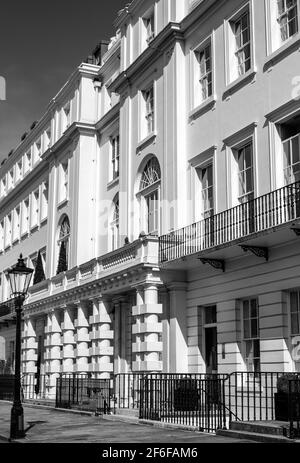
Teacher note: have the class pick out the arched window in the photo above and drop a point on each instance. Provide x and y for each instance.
(114, 225)
(151, 173)
(64, 244)
(150, 196)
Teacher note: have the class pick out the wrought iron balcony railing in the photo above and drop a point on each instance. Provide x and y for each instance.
(7, 308)
(257, 215)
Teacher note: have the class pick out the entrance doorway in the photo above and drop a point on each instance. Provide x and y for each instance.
(211, 359)
(210, 339)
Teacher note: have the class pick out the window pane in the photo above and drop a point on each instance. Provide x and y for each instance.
(247, 329)
(294, 323)
(246, 309)
(254, 330)
(253, 308)
(295, 149)
(294, 301)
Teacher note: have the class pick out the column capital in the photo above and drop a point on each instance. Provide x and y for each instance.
(177, 286)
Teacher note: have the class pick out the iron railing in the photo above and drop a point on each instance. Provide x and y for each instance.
(82, 392)
(294, 407)
(127, 386)
(211, 402)
(7, 308)
(197, 402)
(257, 215)
(7, 387)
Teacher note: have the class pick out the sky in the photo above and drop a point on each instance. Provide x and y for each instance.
(41, 43)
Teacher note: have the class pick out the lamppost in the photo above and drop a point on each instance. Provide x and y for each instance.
(19, 278)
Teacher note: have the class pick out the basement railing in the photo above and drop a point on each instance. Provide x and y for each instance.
(254, 216)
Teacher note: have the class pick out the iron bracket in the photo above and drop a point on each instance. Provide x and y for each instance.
(215, 263)
(258, 251)
(296, 229)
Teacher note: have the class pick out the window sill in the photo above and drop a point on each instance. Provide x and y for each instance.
(24, 235)
(146, 141)
(34, 228)
(239, 83)
(279, 54)
(113, 183)
(15, 241)
(207, 105)
(44, 220)
(62, 203)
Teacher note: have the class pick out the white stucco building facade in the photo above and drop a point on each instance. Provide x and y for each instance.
(171, 148)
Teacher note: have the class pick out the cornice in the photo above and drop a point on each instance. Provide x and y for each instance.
(84, 70)
(29, 179)
(76, 129)
(108, 118)
(160, 44)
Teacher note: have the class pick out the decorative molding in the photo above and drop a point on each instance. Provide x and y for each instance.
(258, 251)
(296, 228)
(215, 263)
(235, 138)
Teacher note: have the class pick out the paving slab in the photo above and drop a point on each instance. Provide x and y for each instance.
(46, 425)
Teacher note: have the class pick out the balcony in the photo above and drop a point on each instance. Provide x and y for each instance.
(7, 311)
(143, 251)
(262, 214)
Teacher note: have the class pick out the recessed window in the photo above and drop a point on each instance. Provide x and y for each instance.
(63, 246)
(3, 186)
(19, 170)
(34, 209)
(290, 134)
(114, 225)
(8, 230)
(115, 157)
(203, 86)
(44, 201)
(207, 191)
(150, 196)
(66, 116)
(25, 217)
(10, 181)
(250, 311)
(287, 18)
(240, 45)
(16, 224)
(1, 235)
(283, 21)
(27, 162)
(148, 27)
(63, 181)
(295, 312)
(245, 172)
(148, 112)
(48, 138)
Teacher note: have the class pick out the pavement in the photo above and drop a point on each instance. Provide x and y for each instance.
(50, 425)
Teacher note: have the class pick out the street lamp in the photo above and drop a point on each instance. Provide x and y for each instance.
(19, 277)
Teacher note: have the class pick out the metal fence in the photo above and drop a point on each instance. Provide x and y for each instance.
(195, 402)
(82, 392)
(6, 387)
(211, 402)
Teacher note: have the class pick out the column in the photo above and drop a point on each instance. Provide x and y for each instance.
(147, 330)
(101, 337)
(178, 328)
(30, 346)
(54, 352)
(117, 336)
(68, 339)
(82, 338)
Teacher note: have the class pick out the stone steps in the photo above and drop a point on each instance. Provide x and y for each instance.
(259, 431)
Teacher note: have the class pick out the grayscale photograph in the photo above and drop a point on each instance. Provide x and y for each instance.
(149, 225)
